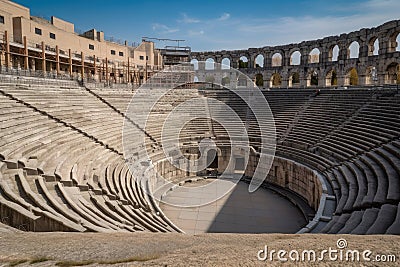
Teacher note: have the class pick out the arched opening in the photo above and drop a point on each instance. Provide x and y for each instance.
(225, 64)
(210, 79)
(370, 75)
(276, 80)
(259, 80)
(353, 50)
(212, 159)
(393, 73)
(243, 62)
(210, 64)
(294, 80)
(225, 81)
(398, 42)
(312, 78)
(351, 77)
(276, 60)
(394, 42)
(333, 53)
(240, 165)
(242, 81)
(195, 79)
(331, 78)
(295, 58)
(314, 56)
(195, 63)
(373, 47)
(260, 61)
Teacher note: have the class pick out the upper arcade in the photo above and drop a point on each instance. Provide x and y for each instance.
(361, 58)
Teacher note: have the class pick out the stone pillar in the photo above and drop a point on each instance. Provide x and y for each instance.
(268, 60)
(384, 42)
(285, 79)
(381, 76)
(43, 58)
(324, 56)
(7, 44)
(33, 64)
(321, 80)
(363, 50)
(303, 79)
(342, 52)
(341, 77)
(94, 67)
(82, 65)
(304, 58)
(26, 62)
(57, 60)
(235, 63)
(250, 63)
(285, 60)
(70, 62)
(129, 72)
(107, 77)
(202, 65)
(265, 61)
(217, 65)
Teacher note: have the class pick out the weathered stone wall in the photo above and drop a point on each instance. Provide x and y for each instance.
(284, 173)
(291, 175)
(385, 62)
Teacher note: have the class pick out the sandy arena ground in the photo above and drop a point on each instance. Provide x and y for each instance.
(146, 249)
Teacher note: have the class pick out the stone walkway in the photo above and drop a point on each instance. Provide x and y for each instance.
(146, 249)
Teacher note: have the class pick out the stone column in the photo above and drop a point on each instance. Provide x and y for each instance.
(70, 62)
(57, 60)
(26, 62)
(265, 61)
(217, 65)
(7, 44)
(82, 65)
(33, 64)
(129, 72)
(341, 77)
(202, 65)
(235, 63)
(363, 50)
(43, 58)
(268, 60)
(94, 68)
(107, 76)
(285, 79)
(321, 79)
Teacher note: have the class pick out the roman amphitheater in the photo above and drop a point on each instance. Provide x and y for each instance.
(123, 154)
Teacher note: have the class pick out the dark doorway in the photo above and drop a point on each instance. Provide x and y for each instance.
(212, 159)
(239, 164)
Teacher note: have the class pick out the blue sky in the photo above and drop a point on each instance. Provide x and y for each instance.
(217, 25)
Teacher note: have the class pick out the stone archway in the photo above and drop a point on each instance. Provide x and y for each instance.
(351, 77)
(276, 80)
(331, 78)
(392, 73)
(294, 79)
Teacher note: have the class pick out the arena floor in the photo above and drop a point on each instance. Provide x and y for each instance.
(239, 211)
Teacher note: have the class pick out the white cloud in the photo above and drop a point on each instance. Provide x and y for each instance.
(258, 32)
(194, 33)
(186, 19)
(381, 4)
(164, 29)
(224, 16)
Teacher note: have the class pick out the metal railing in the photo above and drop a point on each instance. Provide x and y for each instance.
(16, 76)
